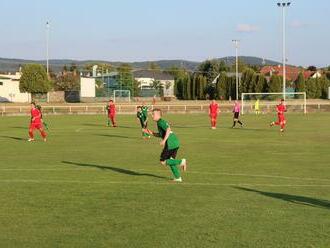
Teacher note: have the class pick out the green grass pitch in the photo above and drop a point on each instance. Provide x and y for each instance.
(93, 186)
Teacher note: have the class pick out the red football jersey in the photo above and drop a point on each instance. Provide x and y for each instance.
(214, 108)
(36, 116)
(281, 109)
(112, 109)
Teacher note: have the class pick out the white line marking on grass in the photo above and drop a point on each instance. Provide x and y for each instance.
(162, 183)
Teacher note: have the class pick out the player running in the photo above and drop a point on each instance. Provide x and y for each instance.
(171, 146)
(142, 116)
(36, 123)
(281, 121)
(237, 111)
(213, 113)
(111, 110)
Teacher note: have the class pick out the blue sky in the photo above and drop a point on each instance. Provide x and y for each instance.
(129, 30)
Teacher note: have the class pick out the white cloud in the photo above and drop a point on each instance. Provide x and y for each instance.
(246, 28)
(298, 24)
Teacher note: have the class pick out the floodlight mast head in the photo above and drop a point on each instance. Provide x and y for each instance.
(283, 5)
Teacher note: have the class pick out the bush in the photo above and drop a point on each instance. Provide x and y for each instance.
(34, 79)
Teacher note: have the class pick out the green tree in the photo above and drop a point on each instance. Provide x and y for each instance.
(125, 76)
(223, 67)
(136, 88)
(300, 85)
(246, 79)
(156, 84)
(275, 84)
(73, 68)
(253, 83)
(211, 69)
(178, 88)
(231, 84)
(313, 88)
(188, 88)
(202, 82)
(153, 66)
(241, 66)
(34, 79)
(312, 68)
(324, 84)
(327, 74)
(193, 87)
(67, 81)
(261, 84)
(211, 91)
(222, 87)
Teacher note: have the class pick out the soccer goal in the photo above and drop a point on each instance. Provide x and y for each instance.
(296, 101)
(122, 96)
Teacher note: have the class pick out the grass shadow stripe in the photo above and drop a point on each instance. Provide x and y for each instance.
(161, 183)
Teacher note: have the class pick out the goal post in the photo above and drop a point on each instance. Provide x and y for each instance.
(122, 96)
(269, 98)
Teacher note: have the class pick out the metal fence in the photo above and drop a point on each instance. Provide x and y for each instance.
(7, 110)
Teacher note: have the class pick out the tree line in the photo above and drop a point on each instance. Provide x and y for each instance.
(201, 85)
(212, 79)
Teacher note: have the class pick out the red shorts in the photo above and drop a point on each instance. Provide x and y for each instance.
(281, 118)
(111, 115)
(35, 126)
(213, 116)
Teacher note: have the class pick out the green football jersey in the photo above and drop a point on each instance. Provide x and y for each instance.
(140, 116)
(145, 111)
(172, 141)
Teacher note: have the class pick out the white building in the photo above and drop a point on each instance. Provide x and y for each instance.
(87, 87)
(9, 89)
(146, 78)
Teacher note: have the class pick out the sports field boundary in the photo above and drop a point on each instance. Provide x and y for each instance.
(92, 109)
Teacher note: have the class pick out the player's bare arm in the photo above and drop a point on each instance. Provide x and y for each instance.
(168, 132)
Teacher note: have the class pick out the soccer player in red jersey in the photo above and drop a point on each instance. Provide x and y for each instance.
(111, 109)
(213, 113)
(36, 123)
(281, 121)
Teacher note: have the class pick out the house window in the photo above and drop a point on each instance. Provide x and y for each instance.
(1, 83)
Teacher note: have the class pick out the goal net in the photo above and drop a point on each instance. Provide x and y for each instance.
(122, 96)
(265, 102)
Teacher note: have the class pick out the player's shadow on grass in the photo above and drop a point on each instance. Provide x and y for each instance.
(115, 169)
(13, 138)
(120, 126)
(102, 125)
(116, 136)
(189, 127)
(297, 199)
(93, 125)
(19, 127)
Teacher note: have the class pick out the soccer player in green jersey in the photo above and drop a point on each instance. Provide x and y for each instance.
(171, 145)
(143, 118)
(144, 110)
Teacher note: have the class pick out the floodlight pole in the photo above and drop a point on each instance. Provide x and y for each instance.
(47, 46)
(284, 5)
(236, 43)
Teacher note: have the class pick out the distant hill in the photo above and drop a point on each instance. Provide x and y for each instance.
(250, 60)
(13, 65)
